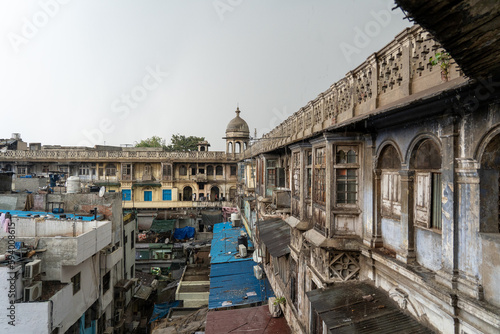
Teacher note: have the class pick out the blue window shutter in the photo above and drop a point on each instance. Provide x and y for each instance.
(148, 196)
(167, 194)
(126, 195)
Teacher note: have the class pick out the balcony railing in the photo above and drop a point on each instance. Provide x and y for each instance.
(399, 70)
(90, 154)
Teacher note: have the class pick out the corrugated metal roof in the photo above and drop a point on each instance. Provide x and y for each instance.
(255, 320)
(275, 234)
(238, 288)
(238, 267)
(344, 310)
(232, 280)
(225, 243)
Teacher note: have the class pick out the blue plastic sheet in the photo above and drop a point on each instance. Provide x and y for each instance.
(184, 233)
(161, 310)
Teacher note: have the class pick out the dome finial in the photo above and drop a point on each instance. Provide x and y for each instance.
(238, 110)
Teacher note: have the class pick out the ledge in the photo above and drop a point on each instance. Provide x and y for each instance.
(300, 225)
(353, 243)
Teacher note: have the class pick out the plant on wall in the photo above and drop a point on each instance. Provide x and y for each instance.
(443, 60)
(280, 300)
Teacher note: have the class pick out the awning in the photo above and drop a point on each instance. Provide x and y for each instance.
(125, 284)
(107, 184)
(275, 234)
(143, 292)
(359, 307)
(146, 184)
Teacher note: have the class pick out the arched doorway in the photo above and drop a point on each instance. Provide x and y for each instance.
(489, 175)
(214, 193)
(425, 162)
(388, 167)
(187, 194)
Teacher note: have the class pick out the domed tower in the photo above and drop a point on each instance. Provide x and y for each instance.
(237, 135)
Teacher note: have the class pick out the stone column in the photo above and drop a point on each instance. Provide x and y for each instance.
(447, 275)
(373, 223)
(469, 258)
(407, 228)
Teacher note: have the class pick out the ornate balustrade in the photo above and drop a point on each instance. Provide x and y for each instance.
(399, 70)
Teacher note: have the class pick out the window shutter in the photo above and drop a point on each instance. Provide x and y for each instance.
(422, 198)
(281, 177)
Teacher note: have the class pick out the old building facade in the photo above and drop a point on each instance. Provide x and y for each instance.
(392, 176)
(148, 178)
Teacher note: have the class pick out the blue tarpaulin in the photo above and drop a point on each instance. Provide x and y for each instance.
(225, 243)
(184, 233)
(237, 287)
(232, 280)
(161, 310)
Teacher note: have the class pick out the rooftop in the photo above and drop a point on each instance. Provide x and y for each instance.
(232, 279)
(255, 320)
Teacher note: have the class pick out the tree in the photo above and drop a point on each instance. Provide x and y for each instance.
(155, 141)
(183, 143)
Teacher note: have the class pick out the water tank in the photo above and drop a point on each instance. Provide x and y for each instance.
(242, 240)
(73, 184)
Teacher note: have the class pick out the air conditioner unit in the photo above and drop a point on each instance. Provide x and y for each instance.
(257, 270)
(243, 250)
(32, 269)
(33, 292)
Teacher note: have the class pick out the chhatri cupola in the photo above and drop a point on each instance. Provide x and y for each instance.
(237, 134)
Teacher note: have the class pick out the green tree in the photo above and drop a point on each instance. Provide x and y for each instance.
(183, 143)
(155, 141)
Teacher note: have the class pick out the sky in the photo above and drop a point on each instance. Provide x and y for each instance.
(93, 72)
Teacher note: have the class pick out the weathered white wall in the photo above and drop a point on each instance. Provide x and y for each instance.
(24, 313)
(428, 248)
(391, 234)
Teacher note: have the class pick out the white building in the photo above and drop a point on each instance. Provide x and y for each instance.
(67, 285)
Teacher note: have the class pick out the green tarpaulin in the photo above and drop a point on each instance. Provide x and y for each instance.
(161, 226)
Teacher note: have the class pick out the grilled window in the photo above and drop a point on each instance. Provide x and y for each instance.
(320, 176)
(346, 174)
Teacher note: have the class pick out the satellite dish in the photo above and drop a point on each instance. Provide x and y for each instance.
(102, 191)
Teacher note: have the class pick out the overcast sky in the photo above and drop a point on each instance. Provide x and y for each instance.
(85, 72)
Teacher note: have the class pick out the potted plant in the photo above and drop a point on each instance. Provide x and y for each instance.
(443, 60)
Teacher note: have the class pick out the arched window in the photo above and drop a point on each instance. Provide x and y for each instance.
(237, 148)
(230, 147)
(390, 183)
(426, 161)
(218, 170)
(182, 170)
(110, 170)
(210, 170)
